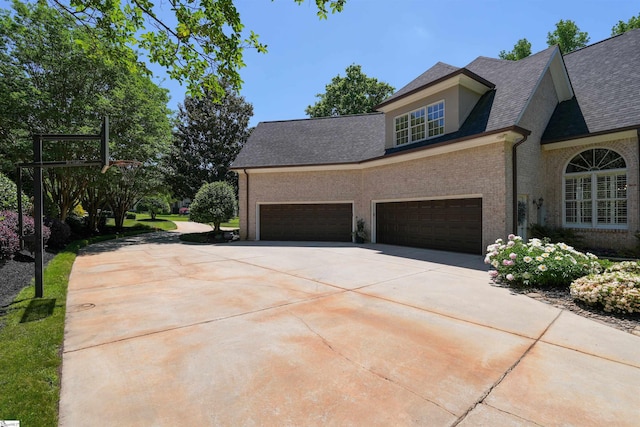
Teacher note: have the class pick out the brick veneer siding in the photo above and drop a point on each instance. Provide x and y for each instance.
(475, 171)
(555, 164)
(530, 161)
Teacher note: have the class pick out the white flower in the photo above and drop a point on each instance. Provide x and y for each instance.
(527, 259)
(542, 267)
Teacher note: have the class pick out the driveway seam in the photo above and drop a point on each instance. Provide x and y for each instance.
(380, 376)
(504, 375)
(513, 415)
(204, 322)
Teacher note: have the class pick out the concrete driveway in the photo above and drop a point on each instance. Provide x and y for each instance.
(162, 333)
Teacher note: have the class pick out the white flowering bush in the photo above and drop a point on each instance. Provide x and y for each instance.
(537, 262)
(616, 290)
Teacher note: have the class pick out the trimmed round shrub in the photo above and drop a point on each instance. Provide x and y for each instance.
(214, 204)
(538, 263)
(615, 291)
(8, 196)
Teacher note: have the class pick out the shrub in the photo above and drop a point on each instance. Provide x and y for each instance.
(615, 291)
(60, 233)
(555, 234)
(9, 242)
(214, 204)
(538, 262)
(9, 237)
(8, 196)
(130, 215)
(154, 205)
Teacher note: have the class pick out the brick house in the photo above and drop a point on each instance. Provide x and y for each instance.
(461, 156)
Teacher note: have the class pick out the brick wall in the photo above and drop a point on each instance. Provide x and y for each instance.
(470, 172)
(555, 164)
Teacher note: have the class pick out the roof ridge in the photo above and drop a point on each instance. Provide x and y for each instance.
(375, 113)
(602, 41)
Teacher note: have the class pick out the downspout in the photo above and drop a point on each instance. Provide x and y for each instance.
(246, 202)
(514, 177)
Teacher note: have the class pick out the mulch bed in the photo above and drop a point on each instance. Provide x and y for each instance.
(17, 274)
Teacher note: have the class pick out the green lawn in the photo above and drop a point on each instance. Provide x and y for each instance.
(143, 221)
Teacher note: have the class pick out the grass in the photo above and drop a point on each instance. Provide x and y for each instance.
(144, 222)
(31, 340)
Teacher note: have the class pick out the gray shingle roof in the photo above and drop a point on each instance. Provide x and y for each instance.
(434, 73)
(606, 81)
(515, 83)
(330, 140)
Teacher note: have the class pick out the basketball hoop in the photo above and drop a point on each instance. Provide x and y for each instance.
(122, 164)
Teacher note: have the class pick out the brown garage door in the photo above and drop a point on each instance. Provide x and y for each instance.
(452, 225)
(306, 222)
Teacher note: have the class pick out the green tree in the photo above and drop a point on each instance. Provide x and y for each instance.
(214, 204)
(622, 27)
(207, 138)
(521, 49)
(568, 36)
(154, 205)
(353, 94)
(200, 42)
(57, 87)
(9, 196)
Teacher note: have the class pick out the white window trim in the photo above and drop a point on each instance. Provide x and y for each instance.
(426, 124)
(594, 200)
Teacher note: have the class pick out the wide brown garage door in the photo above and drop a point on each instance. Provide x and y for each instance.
(452, 225)
(306, 222)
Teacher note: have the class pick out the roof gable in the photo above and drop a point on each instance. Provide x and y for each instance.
(606, 81)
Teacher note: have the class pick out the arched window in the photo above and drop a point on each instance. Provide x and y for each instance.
(595, 190)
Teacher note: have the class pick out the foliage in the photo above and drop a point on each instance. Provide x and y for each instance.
(10, 232)
(623, 27)
(617, 289)
(208, 136)
(537, 262)
(198, 43)
(214, 203)
(9, 196)
(52, 84)
(60, 233)
(361, 233)
(353, 94)
(555, 234)
(521, 49)
(568, 36)
(154, 205)
(9, 241)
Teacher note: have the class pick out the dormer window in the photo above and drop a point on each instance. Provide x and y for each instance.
(420, 124)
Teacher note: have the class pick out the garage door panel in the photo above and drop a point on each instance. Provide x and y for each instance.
(452, 224)
(306, 222)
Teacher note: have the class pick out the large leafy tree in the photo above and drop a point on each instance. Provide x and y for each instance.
(207, 138)
(355, 93)
(623, 27)
(521, 49)
(55, 86)
(568, 36)
(200, 42)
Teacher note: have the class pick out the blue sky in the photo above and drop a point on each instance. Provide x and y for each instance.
(393, 40)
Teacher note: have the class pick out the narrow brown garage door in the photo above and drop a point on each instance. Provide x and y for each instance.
(306, 222)
(452, 225)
